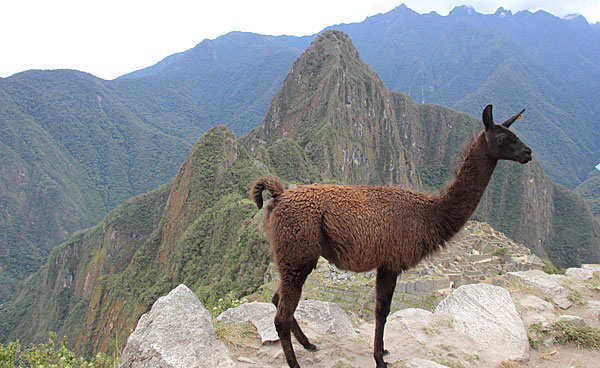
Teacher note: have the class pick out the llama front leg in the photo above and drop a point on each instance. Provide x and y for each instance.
(384, 289)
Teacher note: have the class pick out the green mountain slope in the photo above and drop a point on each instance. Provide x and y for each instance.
(590, 191)
(332, 120)
(57, 296)
(69, 152)
(83, 145)
(196, 229)
(229, 80)
(40, 201)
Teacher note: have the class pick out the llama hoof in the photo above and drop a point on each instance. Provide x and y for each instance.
(386, 352)
(311, 347)
(383, 365)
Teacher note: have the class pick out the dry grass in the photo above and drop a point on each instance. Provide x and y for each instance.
(564, 333)
(241, 338)
(518, 286)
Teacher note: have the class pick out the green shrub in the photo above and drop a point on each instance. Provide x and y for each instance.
(550, 269)
(51, 355)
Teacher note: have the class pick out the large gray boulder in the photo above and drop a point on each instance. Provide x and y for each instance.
(177, 332)
(547, 284)
(324, 318)
(592, 267)
(579, 273)
(535, 303)
(487, 314)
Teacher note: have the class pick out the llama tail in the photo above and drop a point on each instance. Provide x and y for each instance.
(271, 184)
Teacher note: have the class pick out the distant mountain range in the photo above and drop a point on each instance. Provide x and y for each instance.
(332, 120)
(73, 146)
(466, 59)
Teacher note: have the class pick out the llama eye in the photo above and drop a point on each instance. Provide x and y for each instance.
(501, 139)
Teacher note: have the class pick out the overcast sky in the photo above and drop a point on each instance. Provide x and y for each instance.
(109, 38)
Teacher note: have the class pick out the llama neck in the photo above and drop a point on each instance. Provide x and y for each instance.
(458, 202)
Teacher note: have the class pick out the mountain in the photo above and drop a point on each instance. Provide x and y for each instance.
(198, 227)
(229, 81)
(74, 146)
(466, 59)
(590, 191)
(332, 120)
(545, 64)
(69, 151)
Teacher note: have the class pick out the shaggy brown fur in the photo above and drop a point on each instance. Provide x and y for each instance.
(361, 228)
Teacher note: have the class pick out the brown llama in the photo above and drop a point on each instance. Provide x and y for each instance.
(360, 228)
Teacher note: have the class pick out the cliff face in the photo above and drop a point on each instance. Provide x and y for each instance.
(57, 297)
(333, 120)
(205, 238)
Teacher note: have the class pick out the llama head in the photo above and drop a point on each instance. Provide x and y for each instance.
(501, 143)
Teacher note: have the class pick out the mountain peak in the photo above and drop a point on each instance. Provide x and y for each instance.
(576, 18)
(502, 12)
(463, 10)
(332, 104)
(333, 42)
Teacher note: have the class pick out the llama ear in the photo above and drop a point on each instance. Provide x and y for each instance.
(488, 120)
(512, 119)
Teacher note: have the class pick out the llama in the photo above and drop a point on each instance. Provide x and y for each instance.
(360, 228)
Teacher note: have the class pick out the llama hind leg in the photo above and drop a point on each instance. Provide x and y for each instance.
(300, 336)
(384, 289)
(289, 293)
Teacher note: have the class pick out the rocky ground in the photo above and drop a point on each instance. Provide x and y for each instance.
(479, 325)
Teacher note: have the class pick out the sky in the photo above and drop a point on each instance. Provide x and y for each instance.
(110, 38)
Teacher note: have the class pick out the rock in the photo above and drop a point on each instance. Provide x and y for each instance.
(246, 360)
(574, 321)
(594, 307)
(428, 330)
(579, 273)
(325, 318)
(546, 283)
(488, 315)
(531, 319)
(419, 322)
(422, 363)
(409, 314)
(260, 314)
(535, 261)
(592, 267)
(176, 332)
(533, 302)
